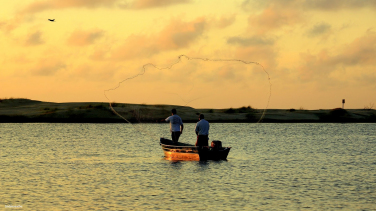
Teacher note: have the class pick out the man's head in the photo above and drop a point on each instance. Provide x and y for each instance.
(173, 111)
(201, 116)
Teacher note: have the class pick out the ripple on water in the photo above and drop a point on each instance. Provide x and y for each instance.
(114, 167)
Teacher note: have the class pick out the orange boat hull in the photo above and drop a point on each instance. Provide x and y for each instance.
(183, 151)
(181, 156)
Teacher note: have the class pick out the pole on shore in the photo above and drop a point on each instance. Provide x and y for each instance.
(343, 103)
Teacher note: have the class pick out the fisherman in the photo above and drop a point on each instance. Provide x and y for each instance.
(176, 126)
(202, 131)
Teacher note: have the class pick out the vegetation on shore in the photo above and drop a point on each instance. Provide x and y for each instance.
(25, 110)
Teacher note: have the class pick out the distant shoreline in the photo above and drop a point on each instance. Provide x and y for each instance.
(31, 111)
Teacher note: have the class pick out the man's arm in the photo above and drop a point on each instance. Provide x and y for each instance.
(181, 129)
(165, 120)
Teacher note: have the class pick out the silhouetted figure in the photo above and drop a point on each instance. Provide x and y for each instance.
(52, 20)
(176, 126)
(202, 131)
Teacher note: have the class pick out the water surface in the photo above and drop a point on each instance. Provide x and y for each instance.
(119, 167)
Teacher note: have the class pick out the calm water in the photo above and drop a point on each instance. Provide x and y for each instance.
(115, 167)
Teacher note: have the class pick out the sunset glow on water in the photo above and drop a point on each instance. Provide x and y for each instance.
(114, 167)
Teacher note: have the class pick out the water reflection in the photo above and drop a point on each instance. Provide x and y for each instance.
(176, 164)
(271, 167)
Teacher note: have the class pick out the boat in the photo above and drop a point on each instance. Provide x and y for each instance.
(183, 151)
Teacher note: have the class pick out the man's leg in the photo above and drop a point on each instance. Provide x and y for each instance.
(202, 140)
(175, 137)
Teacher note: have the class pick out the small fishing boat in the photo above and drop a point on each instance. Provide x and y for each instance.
(183, 151)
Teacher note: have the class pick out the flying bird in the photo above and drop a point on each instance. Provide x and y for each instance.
(52, 20)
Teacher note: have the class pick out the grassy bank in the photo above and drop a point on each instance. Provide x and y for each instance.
(25, 110)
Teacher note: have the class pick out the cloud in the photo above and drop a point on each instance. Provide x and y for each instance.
(314, 66)
(10, 24)
(145, 4)
(81, 38)
(225, 21)
(356, 56)
(180, 34)
(48, 67)
(274, 17)
(133, 47)
(41, 5)
(310, 4)
(338, 4)
(93, 72)
(255, 40)
(263, 54)
(276, 14)
(176, 35)
(319, 29)
(361, 51)
(34, 39)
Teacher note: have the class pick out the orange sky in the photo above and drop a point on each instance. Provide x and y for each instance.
(316, 52)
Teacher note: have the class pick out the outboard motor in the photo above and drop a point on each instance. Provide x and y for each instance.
(216, 144)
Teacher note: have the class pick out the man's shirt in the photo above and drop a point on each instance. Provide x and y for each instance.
(175, 122)
(202, 127)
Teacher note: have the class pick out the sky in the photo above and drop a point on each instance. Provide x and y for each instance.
(302, 54)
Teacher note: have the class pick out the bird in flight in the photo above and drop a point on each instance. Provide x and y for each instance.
(52, 20)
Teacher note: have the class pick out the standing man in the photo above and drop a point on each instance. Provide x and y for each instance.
(202, 131)
(176, 126)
